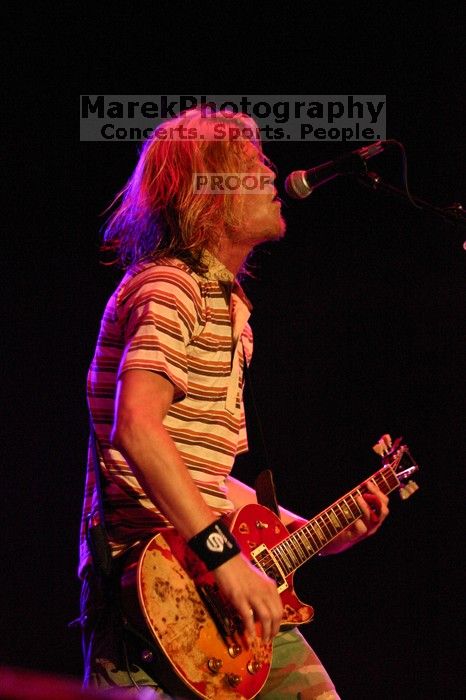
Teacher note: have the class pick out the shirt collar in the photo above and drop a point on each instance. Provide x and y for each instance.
(218, 272)
(215, 269)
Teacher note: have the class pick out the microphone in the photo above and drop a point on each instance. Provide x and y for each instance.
(301, 183)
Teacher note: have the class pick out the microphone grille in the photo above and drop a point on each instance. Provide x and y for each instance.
(296, 185)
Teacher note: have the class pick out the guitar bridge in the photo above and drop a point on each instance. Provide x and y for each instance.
(226, 619)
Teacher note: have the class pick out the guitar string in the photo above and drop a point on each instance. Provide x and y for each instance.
(380, 481)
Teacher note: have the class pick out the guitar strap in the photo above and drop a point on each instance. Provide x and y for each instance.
(105, 568)
(96, 531)
(264, 484)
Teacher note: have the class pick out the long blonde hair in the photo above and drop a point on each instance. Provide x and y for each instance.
(158, 213)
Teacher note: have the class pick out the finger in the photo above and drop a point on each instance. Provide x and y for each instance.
(357, 530)
(270, 611)
(247, 616)
(383, 509)
(375, 507)
(250, 626)
(373, 488)
(365, 510)
(360, 528)
(371, 507)
(263, 614)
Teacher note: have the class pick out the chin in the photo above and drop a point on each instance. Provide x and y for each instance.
(278, 230)
(273, 230)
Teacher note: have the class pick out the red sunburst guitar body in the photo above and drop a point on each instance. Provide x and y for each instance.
(170, 597)
(198, 631)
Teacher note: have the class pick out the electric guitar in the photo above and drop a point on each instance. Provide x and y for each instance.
(196, 630)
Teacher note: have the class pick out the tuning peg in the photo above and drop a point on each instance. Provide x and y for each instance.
(383, 446)
(408, 489)
(387, 440)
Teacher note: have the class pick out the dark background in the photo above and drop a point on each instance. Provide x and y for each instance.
(358, 313)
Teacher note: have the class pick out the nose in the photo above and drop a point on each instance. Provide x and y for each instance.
(266, 170)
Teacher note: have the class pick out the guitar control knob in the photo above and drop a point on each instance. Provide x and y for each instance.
(254, 666)
(214, 665)
(233, 679)
(234, 650)
(260, 525)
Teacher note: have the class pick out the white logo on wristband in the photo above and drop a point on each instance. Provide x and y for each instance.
(216, 541)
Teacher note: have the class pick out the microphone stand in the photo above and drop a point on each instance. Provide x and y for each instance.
(455, 213)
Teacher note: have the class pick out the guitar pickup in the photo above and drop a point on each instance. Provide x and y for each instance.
(268, 564)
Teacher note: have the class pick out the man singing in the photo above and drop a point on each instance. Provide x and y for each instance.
(165, 390)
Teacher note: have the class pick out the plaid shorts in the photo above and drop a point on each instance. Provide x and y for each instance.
(296, 670)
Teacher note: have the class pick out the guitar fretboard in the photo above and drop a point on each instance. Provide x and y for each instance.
(318, 532)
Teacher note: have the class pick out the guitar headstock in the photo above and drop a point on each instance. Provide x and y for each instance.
(398, 457)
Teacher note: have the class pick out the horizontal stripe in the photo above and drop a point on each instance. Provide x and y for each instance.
(169, 320)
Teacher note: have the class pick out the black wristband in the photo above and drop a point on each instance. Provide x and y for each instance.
(214, 545)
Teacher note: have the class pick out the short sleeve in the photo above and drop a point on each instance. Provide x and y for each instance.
(160, 317)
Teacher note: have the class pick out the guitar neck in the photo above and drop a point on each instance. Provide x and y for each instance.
(304, 543)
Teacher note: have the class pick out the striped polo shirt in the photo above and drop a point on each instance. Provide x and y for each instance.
(194, 330)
